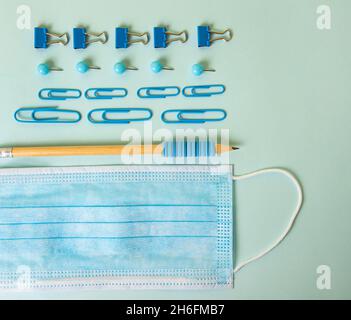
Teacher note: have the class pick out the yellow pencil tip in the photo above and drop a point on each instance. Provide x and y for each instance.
(235, 148)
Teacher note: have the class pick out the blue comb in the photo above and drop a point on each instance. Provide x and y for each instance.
(188, 149)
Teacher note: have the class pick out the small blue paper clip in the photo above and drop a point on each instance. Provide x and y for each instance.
(123, 38)
(34, 118)
(161, 37)
(42, 38)
(205, 36)
(100, 93)
(57, 94)
(105, 112)
(181, 116)
(197, 91)
(81, 38)
(164, 92)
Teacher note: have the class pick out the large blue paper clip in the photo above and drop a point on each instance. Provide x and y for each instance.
(203, 91)
(81, 39)
(161, 37)
(105, 115)
(123, 38)
(35, 118)
(182, 116)
(42, 38)
(205, 36)
(158, 92)
(105, 93)
(59, 94)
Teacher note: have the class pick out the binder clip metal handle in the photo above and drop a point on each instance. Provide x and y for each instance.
(162, 40)
(205, 38)
(123, 36)
(43, 38)
(81, 38)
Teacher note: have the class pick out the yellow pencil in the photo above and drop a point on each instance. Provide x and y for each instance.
(167, 149)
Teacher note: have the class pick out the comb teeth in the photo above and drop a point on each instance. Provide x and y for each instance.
(189, 149)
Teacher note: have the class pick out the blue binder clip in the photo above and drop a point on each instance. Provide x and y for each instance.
(42, 38)
(161, 37)
(203, 90)
(205, 36)
(34, 118)
(100, 93)
(181, 116)
(81, 38)
(158, 92)
(105, 115)
(123, 36)
(59, 94)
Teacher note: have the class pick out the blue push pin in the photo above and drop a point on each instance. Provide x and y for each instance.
(158, 66)
(120, 68)
(44, 69)
(198, 69)
(84, 67)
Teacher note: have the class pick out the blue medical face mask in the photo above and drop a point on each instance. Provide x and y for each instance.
(118, 227)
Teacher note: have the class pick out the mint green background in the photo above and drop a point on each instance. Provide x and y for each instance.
(288, 98)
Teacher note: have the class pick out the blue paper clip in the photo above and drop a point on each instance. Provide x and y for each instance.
(147, 92)
(105, 112)
(34, 118)
(161, 37)
(205, 36)
(181, 116)
(57, 94)
(123, 38)
(196, 91)
(100, 93)
(42, 38)
(81, 38)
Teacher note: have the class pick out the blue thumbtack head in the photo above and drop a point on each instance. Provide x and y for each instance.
(158, 66)
(81, 38)
(205, 36)
(161, 37)
(123, 36)
(42, 38)
(44, 69)
(121, 67)
(198, 69)
(84, 67)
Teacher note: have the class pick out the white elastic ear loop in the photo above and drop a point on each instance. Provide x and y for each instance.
(293, 217)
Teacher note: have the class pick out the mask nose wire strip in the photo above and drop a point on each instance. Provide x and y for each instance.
(293, 216)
